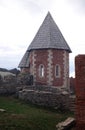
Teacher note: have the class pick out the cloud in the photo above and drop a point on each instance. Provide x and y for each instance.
(36, 7)
(78, 5)
(1, 2)
(30, 5)
(10, 55)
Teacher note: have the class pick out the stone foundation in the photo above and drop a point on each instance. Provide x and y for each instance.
(46, 96)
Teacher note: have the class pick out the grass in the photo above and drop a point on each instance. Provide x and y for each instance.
(22, 116)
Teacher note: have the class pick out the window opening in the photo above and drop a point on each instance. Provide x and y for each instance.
(41, 71)
(57, 71)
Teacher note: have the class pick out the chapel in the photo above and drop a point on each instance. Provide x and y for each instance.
(47, 57)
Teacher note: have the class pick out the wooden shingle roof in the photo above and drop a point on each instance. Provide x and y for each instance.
(49, 36)
(25, 60)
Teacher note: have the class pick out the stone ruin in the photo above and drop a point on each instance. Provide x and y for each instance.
(43, 95)
(22, 86)
(8, 84)
(80, 92)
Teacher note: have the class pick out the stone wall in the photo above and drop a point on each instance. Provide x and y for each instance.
(48, 96)
(72, 85)
(45, 96)
(8, 85)
(80, 91)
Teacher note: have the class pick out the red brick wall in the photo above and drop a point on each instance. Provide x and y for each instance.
(58, 59)
(53, 57)
(41, 57)
(80, 91)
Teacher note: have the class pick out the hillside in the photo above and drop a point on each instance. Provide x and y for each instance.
(4, 71)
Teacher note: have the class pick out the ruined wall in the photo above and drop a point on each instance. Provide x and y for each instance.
(72, 85)
(45, 96)
(80, 91)
(8, 85)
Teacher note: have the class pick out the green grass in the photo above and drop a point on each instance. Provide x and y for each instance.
(22, 116)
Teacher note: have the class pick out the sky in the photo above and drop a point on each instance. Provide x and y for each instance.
(21, 19)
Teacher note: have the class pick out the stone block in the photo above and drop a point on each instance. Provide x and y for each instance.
(67, 124)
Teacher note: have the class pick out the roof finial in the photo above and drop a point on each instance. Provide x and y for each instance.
(48, 13)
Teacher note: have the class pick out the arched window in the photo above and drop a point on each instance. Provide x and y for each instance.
(57, 71)
(41, 70)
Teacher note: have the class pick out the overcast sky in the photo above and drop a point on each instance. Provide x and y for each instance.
(21, 19)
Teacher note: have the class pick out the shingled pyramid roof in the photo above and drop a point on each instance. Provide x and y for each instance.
(49, 36)
(25, 60)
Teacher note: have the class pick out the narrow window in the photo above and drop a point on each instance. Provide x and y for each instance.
(41, 70)
(57, 71)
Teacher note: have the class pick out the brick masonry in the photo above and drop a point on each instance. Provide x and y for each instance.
(49, 58)
(66, 69)
(33, 67)
(80, 91)
(50, 67)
